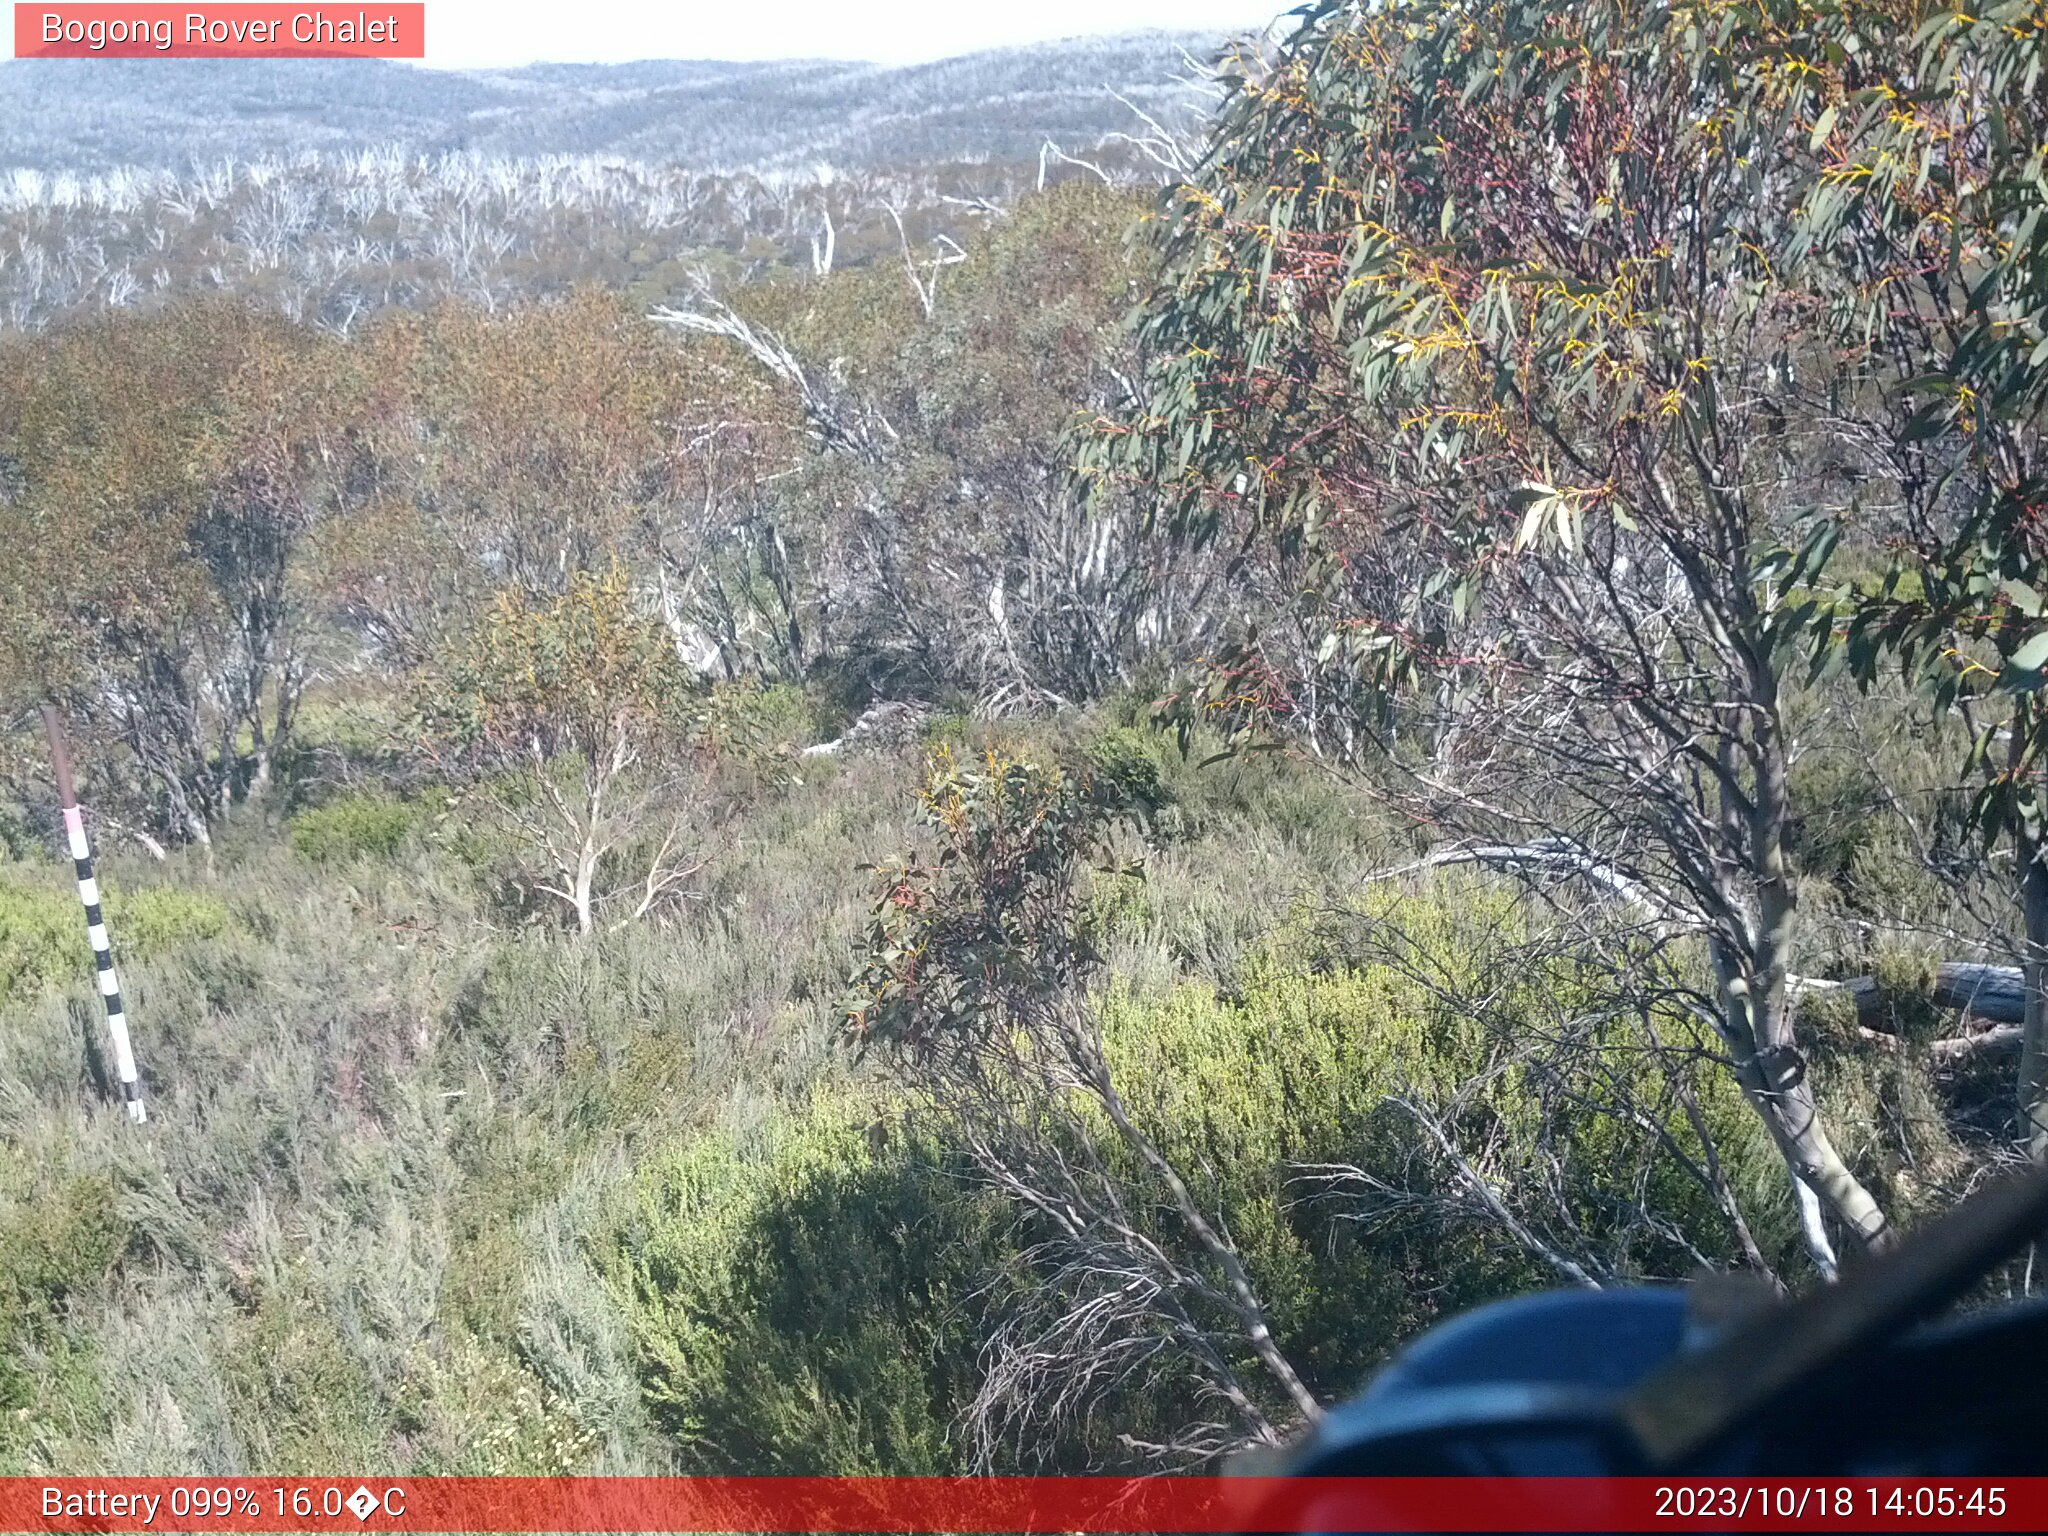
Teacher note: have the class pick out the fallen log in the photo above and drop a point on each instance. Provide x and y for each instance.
(1999, 1040)
(1952, 1050)
(1995, 993)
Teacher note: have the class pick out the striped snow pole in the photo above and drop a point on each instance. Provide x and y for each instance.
(95, 922)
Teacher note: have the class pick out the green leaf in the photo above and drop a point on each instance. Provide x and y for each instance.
(2032, 656)
(2023, 597)
(1821, 129)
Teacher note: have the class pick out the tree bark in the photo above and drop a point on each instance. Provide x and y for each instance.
(2033, 1073)
(1773, 1077)
(582, 888)
(1757, 1000)
(1813, 1228)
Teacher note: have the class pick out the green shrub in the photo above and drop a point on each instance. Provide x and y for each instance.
(1298, 1071)
(18, 837)
(1327, 1094)
(1116, 904)
(756, 730)
(159, 919)
(363, 723)
(782, 713)
(947, 728)
(56, 1242)
(353, 827)
(809, 1307)
(43, 941)
(1123, 770)
(295, 1380)
(477, 1413)
(819, 1303)
(1905, 985)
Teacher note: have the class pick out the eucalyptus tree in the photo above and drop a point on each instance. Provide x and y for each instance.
(568, 714)
(169, 473)
(1924, 221)
(946, 546)
(1470, 341)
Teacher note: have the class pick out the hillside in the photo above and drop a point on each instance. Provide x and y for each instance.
(61, 114)
(782, 790)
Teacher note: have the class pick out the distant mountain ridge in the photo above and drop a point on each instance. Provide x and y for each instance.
(85, 115)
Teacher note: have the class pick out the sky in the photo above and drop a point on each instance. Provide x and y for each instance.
(475, 34)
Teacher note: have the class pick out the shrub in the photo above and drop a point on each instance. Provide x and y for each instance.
(42, 931)
(1261, 1094)
(757, 727)
(571, 710)
(18, 838)
(1123, 767)
(310, 1401)
(353, 827)
(809, 1307)
(1212, 1162)
(948, 728)
(41, 939)
(477, 1413)
(55, 1243)
(819, 1301)
(158, 919)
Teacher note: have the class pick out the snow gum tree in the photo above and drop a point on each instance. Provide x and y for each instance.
(1475, 331)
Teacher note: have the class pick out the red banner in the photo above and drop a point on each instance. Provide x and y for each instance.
(377, 31)
(1181, 1505)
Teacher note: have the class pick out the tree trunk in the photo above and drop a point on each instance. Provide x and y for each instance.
(2033, 1075)
(1775, 1082)
(1757, 1024)
(1758, 1014)
(586, 878)
(1813, 1227)
(1772, 1074)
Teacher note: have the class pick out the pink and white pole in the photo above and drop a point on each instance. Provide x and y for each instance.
(95, 922)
